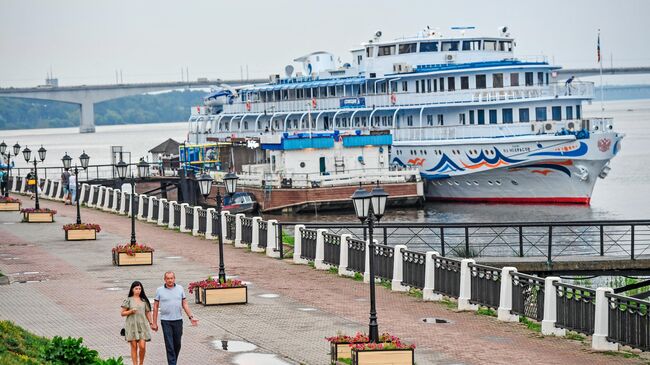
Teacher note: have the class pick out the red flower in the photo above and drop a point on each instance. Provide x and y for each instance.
(34, 210)
(211, 283)
(75, 226)
(131, 250)
(8, 199)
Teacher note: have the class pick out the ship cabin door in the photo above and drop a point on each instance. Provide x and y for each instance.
(323, 169)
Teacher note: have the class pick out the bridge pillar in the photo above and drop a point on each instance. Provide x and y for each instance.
(87, 117)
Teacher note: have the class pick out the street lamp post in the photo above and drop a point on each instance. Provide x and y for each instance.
(143, 172)
(3, 152)
(27, 153)
(205, 184)
(368, 207)
(67, 161)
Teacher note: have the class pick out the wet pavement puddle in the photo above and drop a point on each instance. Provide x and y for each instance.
(269, 296)
(233, 346)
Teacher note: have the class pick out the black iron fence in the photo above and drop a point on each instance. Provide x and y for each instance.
(629, 323)
(308, 244)
(486, 285)
(165, 217)
(177, 215)
(413, 268)
(155, 209)
(383, 261)
(356, 255)
(332, 249)
(528, 296)
(136, 203)
(127, 203)
(110, 199)
(230, 227)
(247, 230)
(95, 195)
(86, 194)
(145, 206)
(576, 308)
(189, 218)
(216, 224)
(203, 219)
(447, 276)
(263, 227)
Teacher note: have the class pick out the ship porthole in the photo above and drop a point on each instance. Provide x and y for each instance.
(498, 182)
(490, 182)
(475, 182)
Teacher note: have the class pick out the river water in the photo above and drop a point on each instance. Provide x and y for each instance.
(624, 194)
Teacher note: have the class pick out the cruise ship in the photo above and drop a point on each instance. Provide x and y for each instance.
(480, 124)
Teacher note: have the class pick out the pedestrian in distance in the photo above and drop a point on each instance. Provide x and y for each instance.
(3, 182)
(137, 310)
(73, 189)
(170, 299)
(65, 183)
(567, 85)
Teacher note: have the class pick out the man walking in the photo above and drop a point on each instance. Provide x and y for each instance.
(171, 298)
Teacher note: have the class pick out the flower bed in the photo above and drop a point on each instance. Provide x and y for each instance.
(33, 215)
(9, 204)
(131, 255)
(342, 346)
(213, 292)
(79, 232)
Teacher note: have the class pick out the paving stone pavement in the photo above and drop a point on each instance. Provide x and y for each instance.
(72, 289)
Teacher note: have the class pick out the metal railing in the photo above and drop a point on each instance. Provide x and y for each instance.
(177, 216)
(383, 261)
(576, 307)
(629, 322)
(308, 244)
(203, 217)
(189, 218)
(155, 208)
(332, 249)
(247, 230)
(486, 285)
(356, 255)
(165, 217)
(413, 268)
(230, 227)
(145, 206)
(263, 227)
(447, 277)
(528, 296)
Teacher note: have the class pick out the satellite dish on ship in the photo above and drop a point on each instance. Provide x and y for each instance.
(288, 70)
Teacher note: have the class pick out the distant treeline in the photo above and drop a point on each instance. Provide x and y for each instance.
(158, 108)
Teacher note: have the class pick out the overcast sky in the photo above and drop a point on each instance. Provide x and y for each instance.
(85, 42)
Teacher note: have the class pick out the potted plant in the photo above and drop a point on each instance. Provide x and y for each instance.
(213, 292)
(80, 232)
(395, 352)
(9, 204)
(132, 254)
(33, 215)
(341, 345)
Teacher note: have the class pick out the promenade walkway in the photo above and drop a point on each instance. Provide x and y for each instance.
(72, 289)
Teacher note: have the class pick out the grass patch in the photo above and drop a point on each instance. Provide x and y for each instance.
(345, 361)
(289, 240)
(450, 304)
(531, 325)
(386, 284)
(332, 270)
(485, 311)
(357, 276)
(311, 264)
(574, 336)
(415, 292)
(624, 354)
(18, 346)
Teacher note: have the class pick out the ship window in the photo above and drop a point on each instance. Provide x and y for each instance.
(480, 81)
(451, 84)
(332, 91)
(428, 85)
(461, 118)
(506, 115)
(540, 78)
(524, 115)
(405, 86)
(497, 80)
(409, 121)
(359, 58)
(556, 113)
(493, 116)
(464, 82)
(529, 79)
(429, 119)
(474, 45)
(417, 86)
(540, 113)
(450, 46)
(429, 47)
(422, 86)
(435, 85)
(442, 84)
(441, 120)
(505, 46)
(407, 48)
(569, 112)
(471, 117)
(578, 112)
(481, 116)
(386, 50)
(490, 45)
(369, 52)
(514, 79)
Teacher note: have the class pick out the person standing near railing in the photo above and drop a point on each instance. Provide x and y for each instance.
(65, 183)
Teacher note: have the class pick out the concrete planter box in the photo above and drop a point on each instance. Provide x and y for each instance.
(80, 234)
(220, 296)
(140, 258)
(38, 217)
(375, 357)
(9, 207)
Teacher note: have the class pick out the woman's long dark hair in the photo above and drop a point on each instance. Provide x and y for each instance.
(143, 296)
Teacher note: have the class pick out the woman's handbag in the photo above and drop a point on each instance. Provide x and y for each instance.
(122, 332)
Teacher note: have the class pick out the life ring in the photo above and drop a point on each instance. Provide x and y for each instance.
(248, 105)
(313, 103)
(393, 98)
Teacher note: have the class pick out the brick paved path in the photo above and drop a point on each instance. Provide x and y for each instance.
(81, 294)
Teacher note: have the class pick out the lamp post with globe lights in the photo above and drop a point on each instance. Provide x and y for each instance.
(205, 184)
(370, 206)
(67, 161)
(27, 154)
(143, 172)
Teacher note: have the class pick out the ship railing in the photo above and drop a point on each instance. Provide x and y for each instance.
(395, 99)
(311, 180)
(462, 131)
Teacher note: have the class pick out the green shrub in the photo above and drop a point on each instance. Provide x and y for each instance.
(110, 361)
(69, 351)
(18, 346)
(485, 311)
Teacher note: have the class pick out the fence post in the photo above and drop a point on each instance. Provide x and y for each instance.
(272, 243)
(442, 241)
(430, 277)
(343, 258)
(521, 241)
(632, 242)
(170, 224)
(100, 194)
(224, 226)
(238, 230)
(150, 210)
(122, 202)
(549, 259)
(208, 223)
(109, 193)
(466, 286)
(161, 211)
(255, 240)
(141, 199)
(550, 308)
(297, 245)
(398, 267)
(184, 207)
(117, 194)
(320, 251)
(505, 299)
(601, 323)
(195, 222)
(366, 271)
(82, 192)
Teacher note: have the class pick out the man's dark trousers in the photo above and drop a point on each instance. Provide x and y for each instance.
(172, 331)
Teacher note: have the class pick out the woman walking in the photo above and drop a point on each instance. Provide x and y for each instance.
(137, 310)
